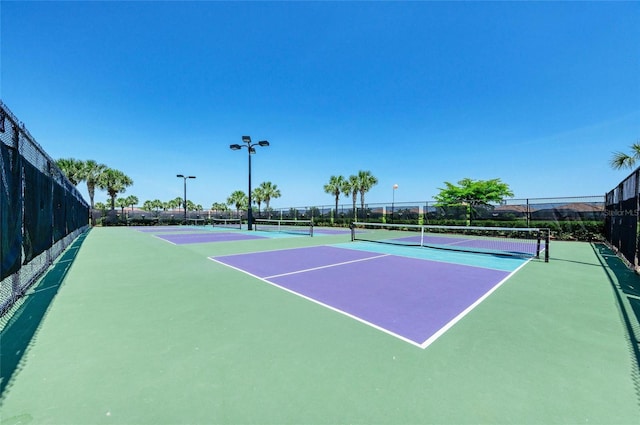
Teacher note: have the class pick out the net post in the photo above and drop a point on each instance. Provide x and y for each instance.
(353, 232)
(311, 229)
(538, 243)
(547, 240)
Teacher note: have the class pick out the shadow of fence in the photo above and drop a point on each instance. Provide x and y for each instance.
(626, 288)
(19, 327)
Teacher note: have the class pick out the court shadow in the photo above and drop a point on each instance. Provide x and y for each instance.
(626, 288)
(20, 329)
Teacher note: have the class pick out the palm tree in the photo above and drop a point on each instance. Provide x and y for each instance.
(258, 197)
(114, 182)
(352, 187)
(131, 201)
(172, 204)
(239, 199)
(179, 202)
(269, 191)
(122, 203)
(71, 168)
(90, 173)
(366, 181)
(623, 160)
(334, 187)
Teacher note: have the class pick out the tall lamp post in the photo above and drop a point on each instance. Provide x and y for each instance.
(393, 200)
(184, 201)
(251, 149)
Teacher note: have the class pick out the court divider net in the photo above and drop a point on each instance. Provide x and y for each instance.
(298, 227)
(508, 241)
(227, 223)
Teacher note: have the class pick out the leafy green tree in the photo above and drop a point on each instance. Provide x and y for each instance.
(622, 160)
(114, 182)
(365, 182)
(238, 199)
(269, 191)
(470, 193)
(334, 187)
(71, 168)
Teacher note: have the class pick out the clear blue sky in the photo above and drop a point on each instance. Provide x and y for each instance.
(538, 94)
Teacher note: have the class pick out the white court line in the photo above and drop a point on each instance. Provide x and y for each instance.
(467, 310)
(330, 307)
(422, 345)
(327, 266)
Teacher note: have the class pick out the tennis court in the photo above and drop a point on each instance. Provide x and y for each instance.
(410, 298)
(127, 328)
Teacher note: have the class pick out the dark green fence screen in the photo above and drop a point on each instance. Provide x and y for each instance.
(41, 212)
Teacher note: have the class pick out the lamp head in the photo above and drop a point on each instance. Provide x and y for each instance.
(263, 143)
(180, 175)
(235, 147)
(246, 139)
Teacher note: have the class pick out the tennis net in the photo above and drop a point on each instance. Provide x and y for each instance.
(227, 223)
(518, 242)
(299, 227)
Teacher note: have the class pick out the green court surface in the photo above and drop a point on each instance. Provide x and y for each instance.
(129, 329)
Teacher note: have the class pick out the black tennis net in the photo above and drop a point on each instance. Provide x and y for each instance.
(227, 223)
(518, 242)
(299, 227)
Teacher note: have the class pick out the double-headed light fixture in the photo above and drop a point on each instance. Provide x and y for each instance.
(251, 149)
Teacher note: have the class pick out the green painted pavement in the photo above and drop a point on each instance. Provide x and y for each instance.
(144, 332)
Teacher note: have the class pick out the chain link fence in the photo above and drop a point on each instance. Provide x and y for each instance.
(568, 218)
(41, 212)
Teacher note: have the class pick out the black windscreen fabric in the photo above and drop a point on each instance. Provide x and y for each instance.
(10, 211)
(59, 213)
(627, 229)
(38, 217)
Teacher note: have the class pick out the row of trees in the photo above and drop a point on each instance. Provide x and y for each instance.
(355, 184)
(262, 194)
(466, 192)
(96, 176)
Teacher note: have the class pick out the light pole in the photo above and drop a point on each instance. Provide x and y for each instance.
(393, 200)
(184, 201)
(250, 148)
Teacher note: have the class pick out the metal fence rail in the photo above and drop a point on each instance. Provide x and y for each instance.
(41, 212)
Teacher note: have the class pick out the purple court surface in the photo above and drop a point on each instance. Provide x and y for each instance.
(413, 299)
(189, 238)
(153, 229)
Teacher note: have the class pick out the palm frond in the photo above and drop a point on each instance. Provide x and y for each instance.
(622, 160)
